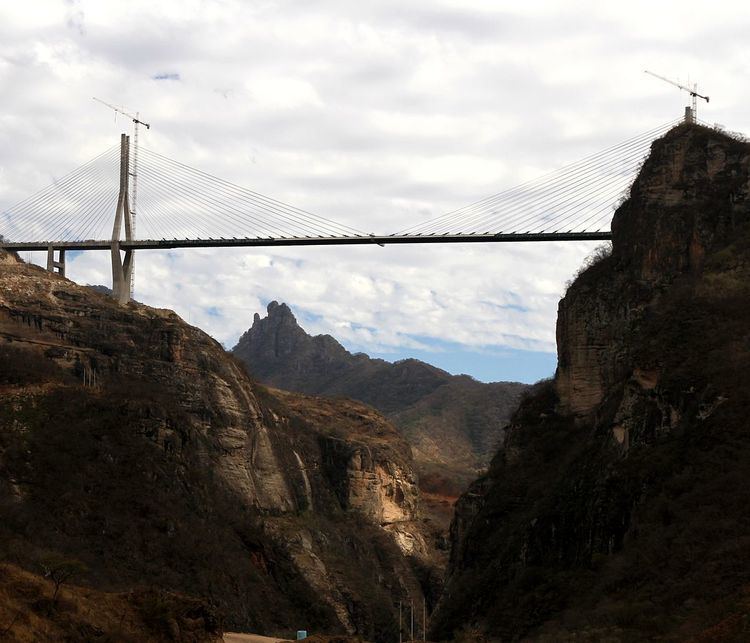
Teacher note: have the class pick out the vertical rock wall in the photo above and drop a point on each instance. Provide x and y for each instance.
(617, 509)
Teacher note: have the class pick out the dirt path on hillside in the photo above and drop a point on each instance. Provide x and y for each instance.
(230, 637)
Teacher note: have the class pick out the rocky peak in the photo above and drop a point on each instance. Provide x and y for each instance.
(278, 337)
(448, 420)
(280, 353)
(691, 194)
(277, 333)
(278, 315)
(274, 308)
(689, 200)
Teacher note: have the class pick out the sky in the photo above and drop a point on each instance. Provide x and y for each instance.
(378, 115)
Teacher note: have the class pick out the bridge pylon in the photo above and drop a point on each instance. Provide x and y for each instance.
(56, 265)
(122, 267)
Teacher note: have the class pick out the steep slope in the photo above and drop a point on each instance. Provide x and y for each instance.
(453, 423)
(132, 442)
(29, 613)
(619, 507)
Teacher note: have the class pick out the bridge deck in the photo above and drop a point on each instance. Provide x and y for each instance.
(162, 244)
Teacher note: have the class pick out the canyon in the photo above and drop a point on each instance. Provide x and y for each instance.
(193, 498)
(453, 423)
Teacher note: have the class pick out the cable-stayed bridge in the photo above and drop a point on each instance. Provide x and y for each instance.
(146, 201)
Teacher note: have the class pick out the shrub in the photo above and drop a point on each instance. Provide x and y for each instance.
(595, 258)
(60, 570)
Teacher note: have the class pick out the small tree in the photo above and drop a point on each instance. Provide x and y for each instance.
(60, 570)
(597, 255)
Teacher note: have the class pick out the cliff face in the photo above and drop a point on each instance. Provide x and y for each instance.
(618, 507)
(688, 202)
(453, 423)
(133, 442)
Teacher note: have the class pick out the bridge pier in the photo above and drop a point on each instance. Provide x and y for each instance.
(122, 273)
(58, 265)
(122, 268)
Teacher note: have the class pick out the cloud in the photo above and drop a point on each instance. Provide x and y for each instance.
(167, 75)
(373, 299)
(75, 17)
(376, 114)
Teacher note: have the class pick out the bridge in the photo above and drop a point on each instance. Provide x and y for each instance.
(177, 206)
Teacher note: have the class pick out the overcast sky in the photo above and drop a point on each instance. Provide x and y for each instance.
(376, 114)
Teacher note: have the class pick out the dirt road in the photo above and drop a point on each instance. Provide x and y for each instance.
(230, 637)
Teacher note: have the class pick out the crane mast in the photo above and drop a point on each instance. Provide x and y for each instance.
(134, 174)
(691, 113)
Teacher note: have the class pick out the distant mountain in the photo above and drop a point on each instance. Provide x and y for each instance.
(453, 422)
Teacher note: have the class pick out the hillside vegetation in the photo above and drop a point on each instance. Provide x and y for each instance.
(32, 610)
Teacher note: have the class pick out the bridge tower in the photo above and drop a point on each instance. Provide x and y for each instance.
(122, 267)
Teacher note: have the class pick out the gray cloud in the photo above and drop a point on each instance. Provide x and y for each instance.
(75, 17)
(376, 114)
(166, 75)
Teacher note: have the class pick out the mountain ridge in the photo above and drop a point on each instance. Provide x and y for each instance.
(440, 414)
(132, 442)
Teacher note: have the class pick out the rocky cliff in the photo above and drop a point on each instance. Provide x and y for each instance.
(132, 442)
(453, 423)
(619, 506)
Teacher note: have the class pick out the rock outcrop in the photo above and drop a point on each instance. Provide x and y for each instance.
(131, 441)
(453, 423)
(618, 508)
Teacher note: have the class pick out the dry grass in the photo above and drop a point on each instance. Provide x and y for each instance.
(29, 615)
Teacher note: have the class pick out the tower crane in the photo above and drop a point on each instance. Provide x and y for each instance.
(693, 113)
(134, 192)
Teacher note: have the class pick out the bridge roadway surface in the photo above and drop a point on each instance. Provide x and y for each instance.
(381, 240)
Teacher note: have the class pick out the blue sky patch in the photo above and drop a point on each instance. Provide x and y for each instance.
(485, 363)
